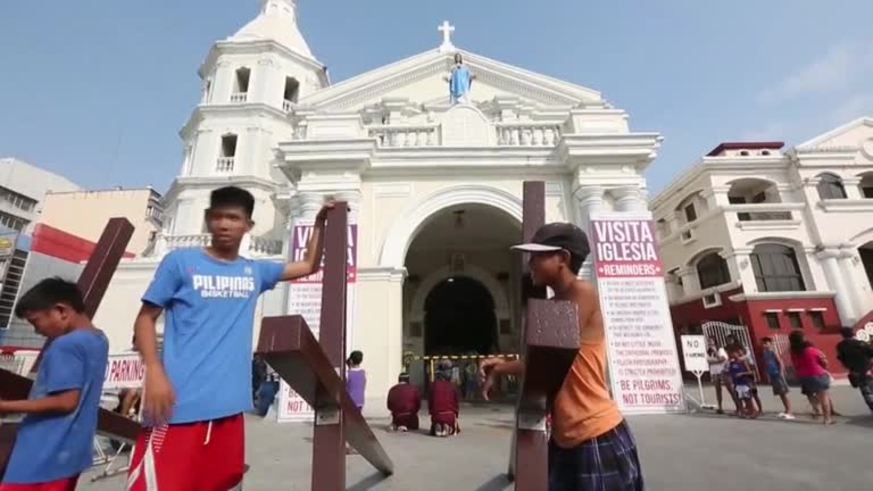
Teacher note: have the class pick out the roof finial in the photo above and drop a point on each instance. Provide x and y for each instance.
(447, 30)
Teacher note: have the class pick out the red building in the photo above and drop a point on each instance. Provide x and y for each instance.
(773, 240)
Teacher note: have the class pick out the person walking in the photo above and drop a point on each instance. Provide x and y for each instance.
(810, 364)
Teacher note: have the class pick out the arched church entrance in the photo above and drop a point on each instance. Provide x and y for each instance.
(461, 275)
(459, 318)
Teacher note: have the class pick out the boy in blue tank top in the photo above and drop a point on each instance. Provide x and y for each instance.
(775, 369)
(56, 438)
(196, 393)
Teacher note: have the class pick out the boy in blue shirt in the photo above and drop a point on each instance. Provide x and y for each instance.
(775, 369)
(56, 438)
(196, 394)
(743, 379)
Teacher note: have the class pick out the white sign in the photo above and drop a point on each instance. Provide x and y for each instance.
(292, 407)
(124, 371)
(643, 360)
(20, 361)
(694, 353)
(305, 300)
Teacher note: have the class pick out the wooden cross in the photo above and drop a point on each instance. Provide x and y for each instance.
(551, 341)
(93, 283)
(316, 369)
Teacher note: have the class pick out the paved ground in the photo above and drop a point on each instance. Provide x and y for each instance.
(699, 451)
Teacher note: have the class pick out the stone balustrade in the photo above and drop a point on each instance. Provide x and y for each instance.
(528, 134)
(389, 136)
(254, 246)
(224, 164)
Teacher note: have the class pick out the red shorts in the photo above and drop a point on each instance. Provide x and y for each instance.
(68, 484)
(201, 456)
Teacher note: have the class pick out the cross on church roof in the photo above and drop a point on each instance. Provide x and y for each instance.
(447, 30)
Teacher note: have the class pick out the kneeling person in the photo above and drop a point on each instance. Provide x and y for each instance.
(404, 402)
(56, 439)
(443, 405)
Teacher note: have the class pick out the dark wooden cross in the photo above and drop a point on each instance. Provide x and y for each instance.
(316, 369)
(550, 343)
(93, 283)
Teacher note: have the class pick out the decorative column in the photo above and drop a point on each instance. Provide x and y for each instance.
(846, 264)
(852, 187)
(828, 259)
(690, 281)
(353, 198)
(716, 196)
(630, 199)
(308, 205)
(262, 86)
(590, 202)
(740, 267)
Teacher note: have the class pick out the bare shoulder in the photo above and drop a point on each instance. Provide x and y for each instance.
(586, 293)
(586, 287)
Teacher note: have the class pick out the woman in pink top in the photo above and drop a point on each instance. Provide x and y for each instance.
(810, 365)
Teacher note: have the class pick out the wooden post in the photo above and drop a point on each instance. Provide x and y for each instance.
(93, 283)
(329, 452)
(551, 341)
(316, 369)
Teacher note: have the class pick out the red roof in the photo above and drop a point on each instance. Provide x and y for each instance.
(744, 146)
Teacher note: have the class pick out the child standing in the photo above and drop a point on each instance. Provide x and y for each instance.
(743, 378)
(197, 391)
(591, 447)
(776, 373)
(356, 379)
(56, 438)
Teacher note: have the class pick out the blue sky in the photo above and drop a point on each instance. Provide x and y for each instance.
(97, 89)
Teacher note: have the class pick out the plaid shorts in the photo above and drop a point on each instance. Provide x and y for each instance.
(606, 463)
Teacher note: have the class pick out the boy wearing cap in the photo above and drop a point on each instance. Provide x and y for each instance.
(591, 447)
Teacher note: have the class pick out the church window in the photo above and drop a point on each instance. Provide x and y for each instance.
(207, 91)
(292, 89)
(712, 270)
(228, 153)
(690, 213)
(241, 85)
(830, 187)
(866, 185)
(776, 268)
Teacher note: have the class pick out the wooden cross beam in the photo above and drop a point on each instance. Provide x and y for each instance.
(551, 341)
(93, 283)
(316, 369)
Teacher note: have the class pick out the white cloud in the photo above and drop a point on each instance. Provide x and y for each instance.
(853, 107)
(774, 130)
(834, 71)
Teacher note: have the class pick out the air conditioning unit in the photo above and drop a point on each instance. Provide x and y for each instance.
(712, 300)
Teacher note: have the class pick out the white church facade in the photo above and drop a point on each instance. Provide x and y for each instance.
(434, 185)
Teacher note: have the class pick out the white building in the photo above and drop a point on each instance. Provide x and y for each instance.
(85, 213)
(435, 188)
(775, 240)
(22, 189)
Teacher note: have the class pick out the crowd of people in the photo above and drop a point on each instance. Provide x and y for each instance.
(199, 384)
(732, 367)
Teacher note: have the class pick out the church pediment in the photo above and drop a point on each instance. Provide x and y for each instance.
(421, 80)
(856, 135)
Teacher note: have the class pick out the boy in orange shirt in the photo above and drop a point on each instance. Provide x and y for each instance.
(592, 447)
